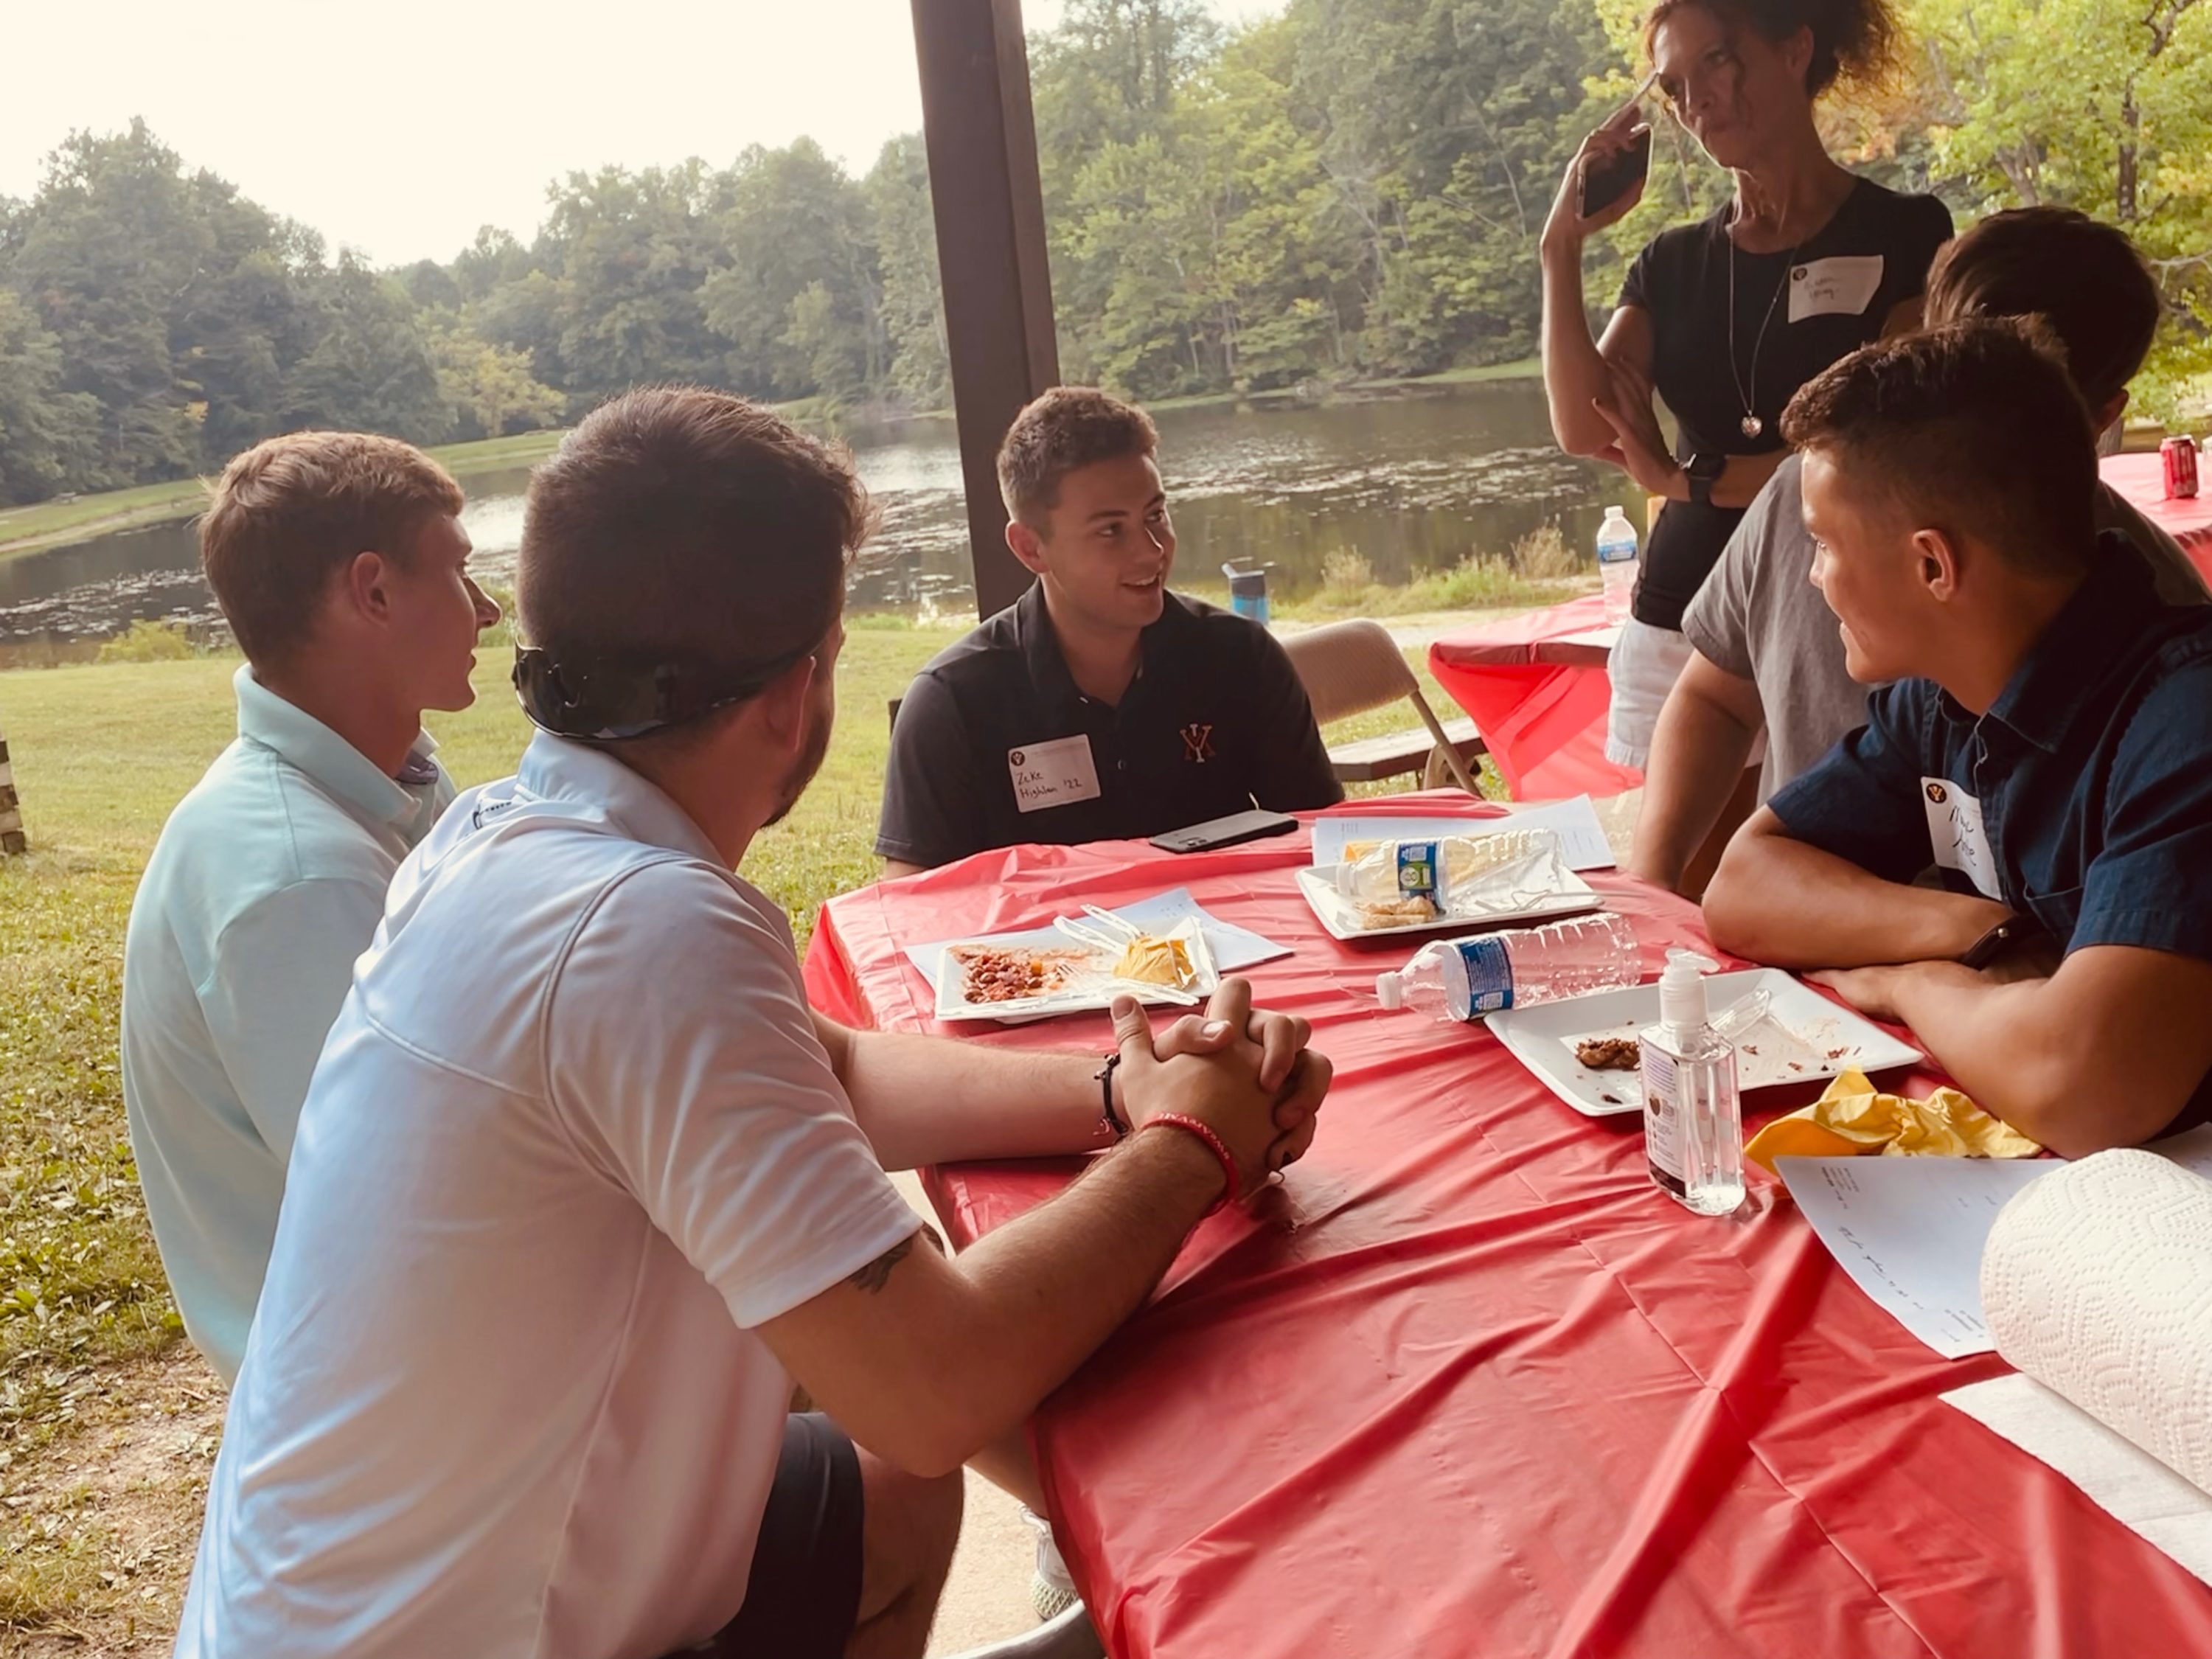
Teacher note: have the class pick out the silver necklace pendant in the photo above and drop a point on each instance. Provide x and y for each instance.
(1751, 426)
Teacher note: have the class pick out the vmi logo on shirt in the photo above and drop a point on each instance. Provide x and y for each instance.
(1198, 743)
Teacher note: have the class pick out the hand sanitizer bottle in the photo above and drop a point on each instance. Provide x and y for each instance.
(1692, 1116)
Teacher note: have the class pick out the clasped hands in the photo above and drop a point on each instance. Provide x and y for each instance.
(1246, 1075)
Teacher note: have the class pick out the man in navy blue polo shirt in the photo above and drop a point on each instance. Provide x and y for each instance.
(1100, 706)
(2047, 747)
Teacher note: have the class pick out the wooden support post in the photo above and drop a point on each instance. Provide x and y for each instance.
(981, 139)
(11, 816)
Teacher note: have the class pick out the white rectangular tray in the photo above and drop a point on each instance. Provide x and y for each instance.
(1318, 884)
(1805, 1038)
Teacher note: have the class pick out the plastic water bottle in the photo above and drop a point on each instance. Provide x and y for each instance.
(1464, 978)
(1692, 1114)
(1616, 563)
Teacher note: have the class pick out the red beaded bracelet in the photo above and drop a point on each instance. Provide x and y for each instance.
(1214, 1143)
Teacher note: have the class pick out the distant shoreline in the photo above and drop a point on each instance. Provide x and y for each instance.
(45, 526)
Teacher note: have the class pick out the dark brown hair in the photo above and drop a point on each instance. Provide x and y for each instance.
(1974, 427)
(2084, 279)
(677, 527)
(1853, 40)
(1070, 427)
(291, 510)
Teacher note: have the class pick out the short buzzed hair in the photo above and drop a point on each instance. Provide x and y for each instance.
(2084, 279)
(687, 529)
(1069, 428)
(1974, 427)
(288, 513)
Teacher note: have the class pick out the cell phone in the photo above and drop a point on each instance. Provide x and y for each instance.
(1606, 182)
(1225, 832)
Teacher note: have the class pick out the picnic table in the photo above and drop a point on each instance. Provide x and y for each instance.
(1466, 1383)
(1536, 683)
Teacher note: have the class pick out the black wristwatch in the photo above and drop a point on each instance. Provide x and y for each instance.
(1703, 471)
(2009, 934)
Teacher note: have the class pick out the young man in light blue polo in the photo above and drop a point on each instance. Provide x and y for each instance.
(340, 562)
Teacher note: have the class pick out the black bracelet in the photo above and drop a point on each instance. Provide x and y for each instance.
(1114, 1119)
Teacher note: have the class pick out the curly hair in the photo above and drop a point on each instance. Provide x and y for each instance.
(1853, 40)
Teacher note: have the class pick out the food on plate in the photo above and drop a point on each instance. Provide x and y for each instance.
(990, 974)
(1151, 960)
(1407, 912)
(1465, 857)
(1610, 1053)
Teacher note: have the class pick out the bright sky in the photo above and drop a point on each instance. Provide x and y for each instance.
(398, 127)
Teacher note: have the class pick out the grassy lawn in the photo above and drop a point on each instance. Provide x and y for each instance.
(102, 753)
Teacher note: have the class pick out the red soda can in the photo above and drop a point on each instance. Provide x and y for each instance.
(2179, 456)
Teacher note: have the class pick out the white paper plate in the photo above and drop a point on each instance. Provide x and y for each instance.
(1342, 918)
(1805, 1038)
(1095, 993)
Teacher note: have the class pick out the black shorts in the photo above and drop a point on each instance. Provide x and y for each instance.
(803, 1598)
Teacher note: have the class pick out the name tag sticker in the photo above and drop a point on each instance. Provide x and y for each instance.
(1954, 830)
(1838, 287)
(1055, 773)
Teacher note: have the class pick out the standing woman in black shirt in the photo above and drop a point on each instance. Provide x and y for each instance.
(1725, 318)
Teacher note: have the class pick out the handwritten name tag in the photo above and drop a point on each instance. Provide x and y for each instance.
(1839, 286)
(1955, 831)
(1055, 773)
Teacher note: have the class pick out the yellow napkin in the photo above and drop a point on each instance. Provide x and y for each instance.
(1851, 1118)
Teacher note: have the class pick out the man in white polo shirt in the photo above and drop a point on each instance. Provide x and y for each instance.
(340, 562)
(581, 1186)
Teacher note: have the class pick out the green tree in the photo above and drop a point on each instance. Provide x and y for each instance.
(2095, 106)
(48, 437)
(107, 242)
(794, 220)
(630, 256)
(912, 301)
(488, 390)
(371, 367)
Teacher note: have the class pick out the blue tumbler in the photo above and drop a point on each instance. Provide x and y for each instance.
(1248, 592)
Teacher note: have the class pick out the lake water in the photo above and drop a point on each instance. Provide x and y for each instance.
(1412, 482)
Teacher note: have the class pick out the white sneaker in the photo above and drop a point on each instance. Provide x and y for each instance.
(1052, 1591)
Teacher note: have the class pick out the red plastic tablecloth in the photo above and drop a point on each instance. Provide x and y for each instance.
(1545, 721)
(1469, 1385)
(2142, 479)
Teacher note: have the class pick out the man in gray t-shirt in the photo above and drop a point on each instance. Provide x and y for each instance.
(1766, 655)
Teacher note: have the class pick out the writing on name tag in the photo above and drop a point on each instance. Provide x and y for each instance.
(1955, 832)
(1055, 773)
(1839, 287)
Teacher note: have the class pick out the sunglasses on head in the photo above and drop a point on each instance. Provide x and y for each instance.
(609, 702)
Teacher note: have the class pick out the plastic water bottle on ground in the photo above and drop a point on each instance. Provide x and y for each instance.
(1616, 563)
(1464, 978)
(1692, 1113)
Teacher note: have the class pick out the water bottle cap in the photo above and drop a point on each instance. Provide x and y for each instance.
(1390, 989)
(1616, 512)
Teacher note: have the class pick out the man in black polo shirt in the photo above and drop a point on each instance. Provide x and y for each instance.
(1100, 706)
(2053, 759)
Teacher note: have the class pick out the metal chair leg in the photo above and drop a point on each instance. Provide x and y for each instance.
(1068, 1637)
